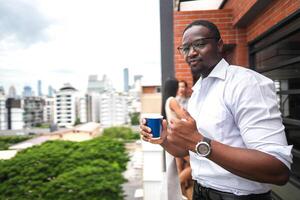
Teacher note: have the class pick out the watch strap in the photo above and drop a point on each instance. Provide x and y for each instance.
(207, 140)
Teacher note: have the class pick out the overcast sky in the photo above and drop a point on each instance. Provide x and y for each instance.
(60, 41)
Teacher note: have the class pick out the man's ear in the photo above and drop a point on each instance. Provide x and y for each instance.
(220, 45)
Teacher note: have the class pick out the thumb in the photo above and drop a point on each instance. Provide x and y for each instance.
(186, 115)
(164, 125)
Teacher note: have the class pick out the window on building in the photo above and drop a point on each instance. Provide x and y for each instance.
(277, 56)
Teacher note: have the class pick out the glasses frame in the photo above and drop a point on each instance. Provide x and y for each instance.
(180, 48)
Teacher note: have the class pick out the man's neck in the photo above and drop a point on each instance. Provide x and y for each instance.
(207, 72)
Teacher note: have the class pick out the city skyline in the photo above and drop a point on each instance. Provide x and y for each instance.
(63, 46)
(45, 88)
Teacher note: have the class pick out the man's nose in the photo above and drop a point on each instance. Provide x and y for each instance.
(191, 51)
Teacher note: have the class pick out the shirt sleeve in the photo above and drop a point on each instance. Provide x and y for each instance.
(256, 113)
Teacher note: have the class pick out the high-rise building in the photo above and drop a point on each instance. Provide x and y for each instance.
(93, 107)
(27, 91)
(113, 109)
(2, 91)
(51, 91)
(40, 93)
(65, 106)
(98, 86)
(137, 77)
(3, 113)
(33, 111)
(49, 110)
(126, 79)
(12, 93)
(15, 113)
(82, 109)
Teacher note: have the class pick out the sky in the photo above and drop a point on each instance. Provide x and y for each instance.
(65, 41)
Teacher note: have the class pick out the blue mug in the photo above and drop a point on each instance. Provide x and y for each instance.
(154, 122)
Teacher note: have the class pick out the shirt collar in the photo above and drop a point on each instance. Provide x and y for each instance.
(219, 71)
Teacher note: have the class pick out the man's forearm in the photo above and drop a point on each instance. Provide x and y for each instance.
(249, 163)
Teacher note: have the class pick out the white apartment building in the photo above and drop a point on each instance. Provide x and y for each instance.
(82, 109)
(15, 112)
(65, 106)
(93, 107)
(113, 109)
(17, 121)
(3, 113)
(49, 110)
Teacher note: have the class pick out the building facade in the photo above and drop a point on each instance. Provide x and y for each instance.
(49, 110)
(3, 113)
(33, 111)
(65, 106)
(15, 114)
(113, 109)
(82, 109)
(126, 79)
(27, 91)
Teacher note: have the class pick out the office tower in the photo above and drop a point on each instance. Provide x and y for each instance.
(27, 91)
(137, 77)
(40, 88)
(126, 79)
(12, 93)
(98, 86)
(50, 91)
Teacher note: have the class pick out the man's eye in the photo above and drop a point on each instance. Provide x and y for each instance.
(199, 44)
(185, 49)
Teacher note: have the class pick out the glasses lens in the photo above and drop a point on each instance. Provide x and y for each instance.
(183, 49)
(199, 44)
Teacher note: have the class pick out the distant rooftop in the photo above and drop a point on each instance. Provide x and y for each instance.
(67, 87)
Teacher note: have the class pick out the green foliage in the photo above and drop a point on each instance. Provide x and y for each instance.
(66, 170)
(6, 141)
(135, 118)
(44, 125)
(120, 132)
(77, 121)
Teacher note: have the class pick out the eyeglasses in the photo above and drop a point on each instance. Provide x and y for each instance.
(197, 45)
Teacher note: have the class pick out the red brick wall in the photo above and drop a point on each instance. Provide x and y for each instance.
(271, 15)
(149, 89)
(239, 8)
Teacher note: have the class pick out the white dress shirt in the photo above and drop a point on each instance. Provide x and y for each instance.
(237, 107)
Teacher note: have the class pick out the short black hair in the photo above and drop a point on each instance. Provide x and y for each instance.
(170, 90)
(211, 26)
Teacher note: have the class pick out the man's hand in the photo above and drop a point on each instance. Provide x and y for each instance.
(146, 135)
(184, 132)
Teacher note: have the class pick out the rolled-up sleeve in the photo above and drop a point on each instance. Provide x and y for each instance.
(256, 113)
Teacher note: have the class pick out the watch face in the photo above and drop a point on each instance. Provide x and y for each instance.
(203, 148)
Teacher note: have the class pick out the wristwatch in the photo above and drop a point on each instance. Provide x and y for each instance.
(203, 147)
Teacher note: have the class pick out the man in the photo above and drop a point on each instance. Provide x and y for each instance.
(233, 131)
